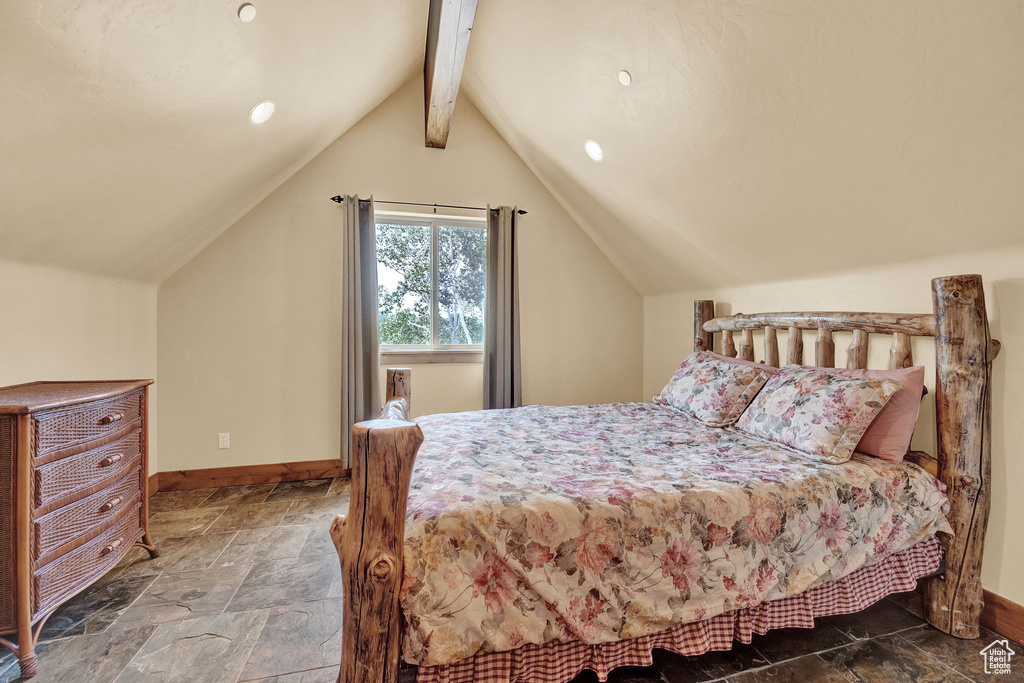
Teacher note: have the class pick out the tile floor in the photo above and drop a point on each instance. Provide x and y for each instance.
(248, 589)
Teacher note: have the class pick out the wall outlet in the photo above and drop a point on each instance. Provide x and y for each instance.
(224, 440)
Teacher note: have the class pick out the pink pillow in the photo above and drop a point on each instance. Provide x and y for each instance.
(770, 369)
(889, 435)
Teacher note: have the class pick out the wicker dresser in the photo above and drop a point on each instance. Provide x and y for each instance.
(73, 496)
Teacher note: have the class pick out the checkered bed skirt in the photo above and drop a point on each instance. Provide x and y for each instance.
(559, 662)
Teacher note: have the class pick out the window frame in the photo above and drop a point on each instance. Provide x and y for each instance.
(432, 352)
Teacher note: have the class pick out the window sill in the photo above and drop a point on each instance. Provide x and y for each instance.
(426, 357)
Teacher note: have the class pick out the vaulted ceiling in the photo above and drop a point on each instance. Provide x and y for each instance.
(764, 140)
(757, 140)
(125, 134)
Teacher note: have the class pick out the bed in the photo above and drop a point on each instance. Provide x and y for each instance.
(530, 543)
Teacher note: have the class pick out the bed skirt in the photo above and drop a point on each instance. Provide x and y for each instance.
(558, 662)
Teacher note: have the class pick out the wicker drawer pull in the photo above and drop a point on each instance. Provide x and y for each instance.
(111, 547)
(110, 505)
(110, 460)
(110, 419)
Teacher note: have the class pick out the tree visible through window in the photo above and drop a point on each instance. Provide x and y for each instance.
(431, 278)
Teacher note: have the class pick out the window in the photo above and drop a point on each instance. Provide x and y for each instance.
(431, 278)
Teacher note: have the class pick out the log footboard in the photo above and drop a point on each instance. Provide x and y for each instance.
(370, 538)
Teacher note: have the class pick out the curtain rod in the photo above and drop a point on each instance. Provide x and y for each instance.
(339, 199)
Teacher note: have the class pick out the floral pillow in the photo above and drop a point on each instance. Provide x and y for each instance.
(713, 390)
(815, 412)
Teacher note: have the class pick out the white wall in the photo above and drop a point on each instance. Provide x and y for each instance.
(63, 325)
(904, 288)
(249, 330)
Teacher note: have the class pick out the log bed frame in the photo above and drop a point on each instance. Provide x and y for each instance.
(370, 539)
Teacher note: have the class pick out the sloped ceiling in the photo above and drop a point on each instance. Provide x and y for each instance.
(762, 140)
(125, 138)
(759, 140)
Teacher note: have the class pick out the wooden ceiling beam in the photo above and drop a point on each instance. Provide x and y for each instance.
(449, 24)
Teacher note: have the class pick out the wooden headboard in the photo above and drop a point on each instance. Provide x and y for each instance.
(963, 366)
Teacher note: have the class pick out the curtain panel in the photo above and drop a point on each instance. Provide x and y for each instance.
(503, 386)
(360, 363)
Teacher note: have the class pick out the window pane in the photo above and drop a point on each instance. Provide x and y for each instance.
(403, 283)
(461, 261)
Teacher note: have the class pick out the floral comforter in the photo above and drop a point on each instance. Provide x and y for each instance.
(598, 523)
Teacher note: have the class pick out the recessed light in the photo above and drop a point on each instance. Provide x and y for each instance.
(247, 12)
(261, 112)
(625, 78)
(594, 150)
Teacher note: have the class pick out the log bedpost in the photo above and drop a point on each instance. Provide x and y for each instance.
(771, 347)
(857, 353)
(703, 311)
(746, 348)
(728, 347)
(825, 349)
(900, 354)
(370, 540)
(795, 352)
(963, 365)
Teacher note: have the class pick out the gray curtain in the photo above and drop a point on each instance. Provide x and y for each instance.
(503, 384)
(360, 360)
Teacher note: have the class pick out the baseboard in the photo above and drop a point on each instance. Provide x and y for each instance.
(1003, 616)
(183, 480)
(154, 483)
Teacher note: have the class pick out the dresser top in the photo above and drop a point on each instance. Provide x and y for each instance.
(28, 398)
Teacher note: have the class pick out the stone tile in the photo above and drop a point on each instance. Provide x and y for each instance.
(96, 608)
(167, 501)
(256, 545)
(328, 675)
(176, 555)
(879, 619)
(210, 649)
(8, 666)
(297, 638)
(256, 516)
(912, 601)
(300, 490)
(316, 511)
(284, 582)
(340, 486)
(789, 643)
(708, 666)
(964, 655)
(889, 659)
(239, 495)
(807, 669)
(187, 595)
(319, 542)
(99, 657)
(182, 523)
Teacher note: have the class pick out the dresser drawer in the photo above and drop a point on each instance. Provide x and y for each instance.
(76, 472)
(77, 519)
(81, 566)
(67, 427)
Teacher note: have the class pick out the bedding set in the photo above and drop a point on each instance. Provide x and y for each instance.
(733, 503)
